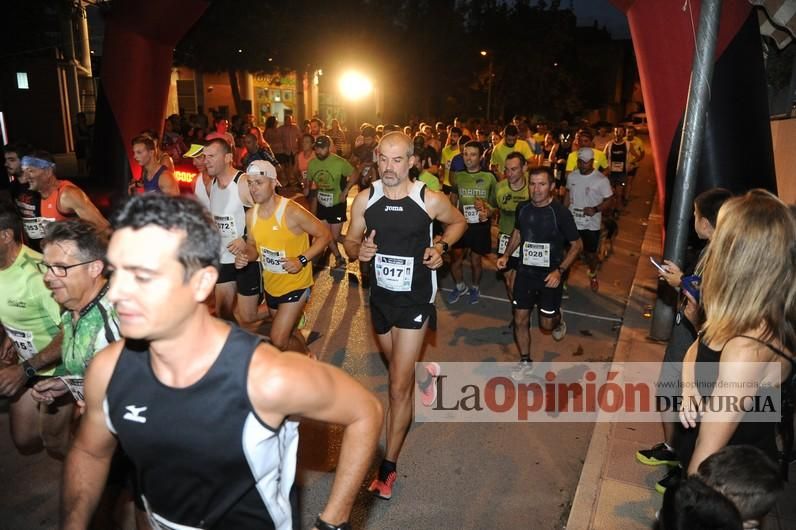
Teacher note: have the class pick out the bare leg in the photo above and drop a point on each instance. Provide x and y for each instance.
(477, 268)
(225, 300)
(404, 350)
(457, 257)
(522, 331)
(285, 320)
(24, 423)
(247, 310)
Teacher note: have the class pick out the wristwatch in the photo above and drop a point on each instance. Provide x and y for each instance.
(445, 246)
(320, 524)
(303, 259)
(561, 270)
(29, 370)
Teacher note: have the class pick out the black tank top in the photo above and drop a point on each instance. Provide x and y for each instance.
(618, 157)
(403, 232)
(203, 458)
(759, 434)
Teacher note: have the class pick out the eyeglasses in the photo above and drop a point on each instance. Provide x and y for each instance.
(59, 271)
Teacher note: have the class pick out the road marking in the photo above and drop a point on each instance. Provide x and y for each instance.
(567, 311)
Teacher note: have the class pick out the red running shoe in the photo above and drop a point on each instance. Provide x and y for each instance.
(429, 394)
(383, 489)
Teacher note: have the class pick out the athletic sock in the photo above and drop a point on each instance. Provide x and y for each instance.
(669, 447)
(525, 358)
(461, 286)
(385, 469)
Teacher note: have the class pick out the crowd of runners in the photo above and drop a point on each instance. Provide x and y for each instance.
(193, 279)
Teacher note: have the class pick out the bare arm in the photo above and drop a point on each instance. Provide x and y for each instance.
(356, 228)
(12, 377)
(86, 466)
(168, 184)
(284, 384)
(441, 209)
(75, 199)
(301, 220)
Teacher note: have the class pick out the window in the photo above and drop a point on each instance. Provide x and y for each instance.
(186, 95)
(22, 81)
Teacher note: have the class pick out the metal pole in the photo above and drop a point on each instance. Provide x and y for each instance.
(489, 93)
(678, 225)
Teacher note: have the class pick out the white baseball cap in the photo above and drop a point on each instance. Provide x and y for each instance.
(263, 168)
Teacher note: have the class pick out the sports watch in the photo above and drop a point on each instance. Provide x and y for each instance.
(30, 371)
(303, 259)
(445, 246)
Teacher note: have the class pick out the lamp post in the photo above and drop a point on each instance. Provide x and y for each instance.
(484, 53)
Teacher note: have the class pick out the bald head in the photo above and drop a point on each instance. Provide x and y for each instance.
(395, 159)
(397, 138)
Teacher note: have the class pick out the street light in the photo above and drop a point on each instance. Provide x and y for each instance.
(484, 53)
(355, 86)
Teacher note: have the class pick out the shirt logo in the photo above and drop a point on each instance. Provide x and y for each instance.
(19, 304)
(134, 414)
(393, 208)
(419, 318)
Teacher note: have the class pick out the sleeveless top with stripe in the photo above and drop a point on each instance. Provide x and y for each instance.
(229, 213)
(274, 241)
(404, 230)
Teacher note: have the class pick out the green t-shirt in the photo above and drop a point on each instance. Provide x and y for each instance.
(471, 186)
(96, 328)
(507, 200)
(331, 177)
(430, 180)
(501, 151)
(28, 312)
(446, 157)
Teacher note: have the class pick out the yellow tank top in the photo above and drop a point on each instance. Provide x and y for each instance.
(275, 241)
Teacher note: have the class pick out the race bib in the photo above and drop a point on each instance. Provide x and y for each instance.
(23, 342)
(75, 385)
(503, 243)
(394, 273)
(304, 174)
(617, 167)
(272, 260)
(578, 214)
(470, 213)
(326, 198)
(34, 226)
(226, 226)
(536, 254)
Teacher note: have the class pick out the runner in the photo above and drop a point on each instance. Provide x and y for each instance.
(203, 182)
(154, 175)
(26, 201)
(589, 195)
(229, 198)
(510, 143)
(60, 199)
(474, 192)
(450, 150)
(200, 406)
(542, 228)
(333, 177)
(511, 192)
(32, 343)
(584, 138)
(618, 153)
(636, 156)
(279, 233)
(395, 217)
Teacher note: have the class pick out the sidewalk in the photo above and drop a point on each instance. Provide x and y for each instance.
(614, 490)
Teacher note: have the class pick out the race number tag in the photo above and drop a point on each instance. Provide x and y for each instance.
(226, 226)
(503, 243)
(23, 342)
(617, 167)
(470, 213)
(34, 226)
(394, 273)
(536, 254)
(326, 198)
(75, 385)
(578, 214)
(272, 260)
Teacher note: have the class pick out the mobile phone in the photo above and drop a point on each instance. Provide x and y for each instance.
(691, 285)
(658, 266)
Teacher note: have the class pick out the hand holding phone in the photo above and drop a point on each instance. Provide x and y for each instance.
(658, 266)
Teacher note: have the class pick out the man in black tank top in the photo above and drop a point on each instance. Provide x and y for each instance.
(395, 218)
(200, 406)
(617, 153)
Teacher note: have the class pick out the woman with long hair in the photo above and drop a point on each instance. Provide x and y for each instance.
(748, 338)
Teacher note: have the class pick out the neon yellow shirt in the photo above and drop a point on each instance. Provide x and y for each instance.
(501, 151)
(600, 160)
(445, 160)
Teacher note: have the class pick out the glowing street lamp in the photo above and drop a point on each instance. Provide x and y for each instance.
(355, 86)
(489, 86)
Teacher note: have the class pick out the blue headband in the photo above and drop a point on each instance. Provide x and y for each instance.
(38, 163)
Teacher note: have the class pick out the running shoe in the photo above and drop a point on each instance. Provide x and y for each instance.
(455, 294)
(474, 294)
(429, 394)
(564, 292)
(522, 370)
(560, 331)
(657, 455)
(674, 476)
(383, 488)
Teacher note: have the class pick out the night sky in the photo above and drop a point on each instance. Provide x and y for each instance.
(587, 11)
